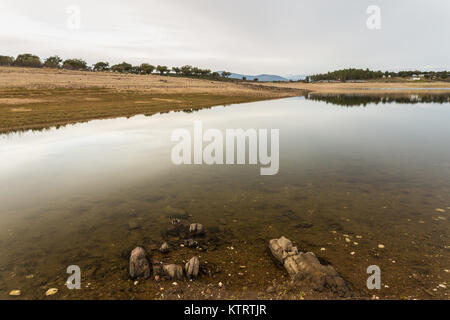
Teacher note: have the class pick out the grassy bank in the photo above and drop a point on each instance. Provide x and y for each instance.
(40, 98)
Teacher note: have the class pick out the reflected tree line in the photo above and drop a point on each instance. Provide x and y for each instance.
(349, 100)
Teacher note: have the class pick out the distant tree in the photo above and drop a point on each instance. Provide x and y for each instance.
(226, 74)
(186, 70)
(53, 62)
(176, 70)
(28, 60)
(162, 69)
(255, 79)
(75, 64)
(135, 70)
(101, 66)
(6, 61)
(215, 75)
(122, 67)
(205, 72)
(196, 71)
(244, 78)
(146, 68)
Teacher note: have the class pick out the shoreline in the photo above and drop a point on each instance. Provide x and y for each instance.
(43, 98)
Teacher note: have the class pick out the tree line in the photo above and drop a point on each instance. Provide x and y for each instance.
(361, 74)
(33, 61)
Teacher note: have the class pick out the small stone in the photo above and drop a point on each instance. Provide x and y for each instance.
(136, 282)
(440, 210)
(196, 229)
(348, 240)
(352, 253)
(359, 237)
(355, 243)
(30, 276)
(441, 285)
(220, 284)
(322, 249)
(164, 248)
(174, 283)
(15, 293)
(51, 292)
(270, 289)
(190, 243)
(133, 225)
(381, 246)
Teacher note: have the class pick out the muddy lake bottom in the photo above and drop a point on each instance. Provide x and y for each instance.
(350, 179)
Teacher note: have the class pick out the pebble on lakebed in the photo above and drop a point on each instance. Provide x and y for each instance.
(381, 246)
(51, 291)
(15, 293)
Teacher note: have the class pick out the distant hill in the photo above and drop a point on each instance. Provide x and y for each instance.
(266, 77)
(297, 77)
(261, 77)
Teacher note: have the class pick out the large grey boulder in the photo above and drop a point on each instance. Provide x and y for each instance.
(139, 265)
(173, 271)
(306, 267)
(191, 268)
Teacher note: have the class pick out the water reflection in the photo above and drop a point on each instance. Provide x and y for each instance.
(69, 195)
(356, 100)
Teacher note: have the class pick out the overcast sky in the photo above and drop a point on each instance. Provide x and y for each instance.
(244, 36)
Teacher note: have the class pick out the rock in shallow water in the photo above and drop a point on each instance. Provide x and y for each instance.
(196, 229)
(164, 248)
(51, 291)
(192, 267)
(306, 267)
(173, 271)
(139, 266)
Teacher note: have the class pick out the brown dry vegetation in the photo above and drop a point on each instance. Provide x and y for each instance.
(57, 97)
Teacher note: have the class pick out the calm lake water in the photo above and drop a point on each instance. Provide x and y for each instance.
(372, 171)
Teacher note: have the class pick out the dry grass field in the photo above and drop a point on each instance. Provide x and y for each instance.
(39, 98)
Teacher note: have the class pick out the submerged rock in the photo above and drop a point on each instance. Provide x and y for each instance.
(173, 271)
(190, 243)
(176, 213)
(133, 225)
(192, 267)
(139, 265)
(196, 229)
(306, 267)
(164, 248)
(176, 229)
